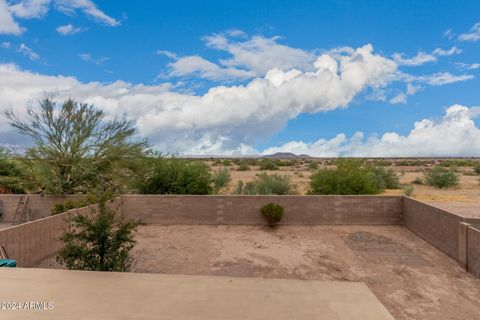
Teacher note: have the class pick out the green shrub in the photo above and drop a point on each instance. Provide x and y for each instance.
(457, 163)
(386, 178)
(267, 164)
(273, 184)
(285, 163)
(408, 190)
(313, 165)
(273, 213)
(243, 167)
(476, 168)
(177, 176)
(383, 163)
(221, 178)
(226, 163)
(351, 176)
(440, 177)
(70, 204)
(418, 180)
(100, 243)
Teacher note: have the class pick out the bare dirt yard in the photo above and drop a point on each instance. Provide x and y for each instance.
(410, 277)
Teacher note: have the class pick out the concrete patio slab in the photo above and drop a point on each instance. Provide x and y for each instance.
(61, 294)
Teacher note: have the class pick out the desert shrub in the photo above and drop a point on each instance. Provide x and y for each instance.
(272, 213)
(313, 165)
(440, 177)
(476, 168)
(408, 190)
(351, 176)
(217, 163)
(285, 163)
(386, 178)
(383, 163)
(70, 204)
(243, 166)
(177, 176)
(267, 164)
(221, 178)
(100, 243)
(418, 180)
(457, 163)
(273, 184)
(227, 163)
(266, 184)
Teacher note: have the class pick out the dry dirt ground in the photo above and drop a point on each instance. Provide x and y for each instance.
(410, 277)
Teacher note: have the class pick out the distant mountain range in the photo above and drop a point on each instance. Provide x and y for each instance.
(286, 155)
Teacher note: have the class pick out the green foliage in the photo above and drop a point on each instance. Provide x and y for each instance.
(351, 176)
(267, 165)
(73, 204)
(408, 190)
(176, 176)
(227, 163)
(76, 149)
(273, 184)
(386, 178)
(313, 165)
(273, 213)
(221, 178)
(383, 163)
(266, 184)
(409, 163)
(440, 177)
(476, 168)
(457, 163)
(11, 175)
(243, 166)
(248, 188)
(285, 163)
(418, 181)
(101, 243)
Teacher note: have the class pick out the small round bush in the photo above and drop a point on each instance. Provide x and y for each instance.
(243, 167)
(476, 168)
(313, 165)
(440, 177)
(273, 213)
(267, 164)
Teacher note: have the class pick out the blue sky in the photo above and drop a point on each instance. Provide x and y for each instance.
(157, 60)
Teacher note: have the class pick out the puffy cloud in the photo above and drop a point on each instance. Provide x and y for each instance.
(450, 52)
(473, 35)
(8, 25)
(250, 57)
(28, 9)
(455, 134)
(69, 29)
(260, 54)
(5, 45)
(226, 119)
(28, 52)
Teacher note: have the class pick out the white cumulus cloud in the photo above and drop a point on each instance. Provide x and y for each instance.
(226, 119)
(455, 134)
(473, 35)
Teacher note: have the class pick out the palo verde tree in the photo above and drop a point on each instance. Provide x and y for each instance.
(76, 148)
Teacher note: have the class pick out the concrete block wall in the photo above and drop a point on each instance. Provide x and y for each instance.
(34, 241)
(473, 251)
(436, 226)
(235, 210)
(39, 206)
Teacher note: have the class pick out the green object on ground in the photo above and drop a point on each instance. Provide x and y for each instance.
(8, 263)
